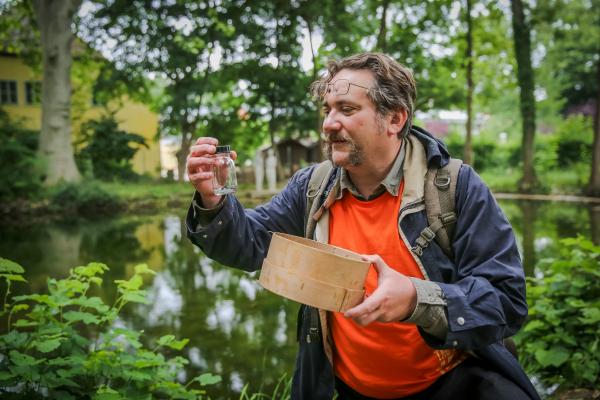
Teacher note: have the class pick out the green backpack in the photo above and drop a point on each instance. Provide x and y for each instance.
(440, 189)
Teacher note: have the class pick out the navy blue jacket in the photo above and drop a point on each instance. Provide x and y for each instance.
(484, 284)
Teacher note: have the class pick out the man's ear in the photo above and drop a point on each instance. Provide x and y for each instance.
(397, 120)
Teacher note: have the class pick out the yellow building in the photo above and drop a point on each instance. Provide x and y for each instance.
(20, 97)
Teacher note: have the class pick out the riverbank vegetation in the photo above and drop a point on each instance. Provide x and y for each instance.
(68, 342)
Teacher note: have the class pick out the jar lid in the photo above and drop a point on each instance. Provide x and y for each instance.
(223, 149)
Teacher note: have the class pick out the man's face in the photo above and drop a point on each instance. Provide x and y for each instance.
(352, 128)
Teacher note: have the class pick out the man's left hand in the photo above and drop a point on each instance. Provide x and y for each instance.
(394, 299)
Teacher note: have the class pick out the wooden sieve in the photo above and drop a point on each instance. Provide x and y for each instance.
(313, 273)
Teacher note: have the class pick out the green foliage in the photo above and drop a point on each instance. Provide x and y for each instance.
(66, 343)
(86, 199)
(282, 391)
(573, 141)
(21, 172)
(560, 342)
(109, 148)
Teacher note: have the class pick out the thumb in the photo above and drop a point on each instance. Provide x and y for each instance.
(377, 262)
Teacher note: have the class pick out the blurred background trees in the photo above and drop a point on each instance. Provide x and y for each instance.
(240, 70)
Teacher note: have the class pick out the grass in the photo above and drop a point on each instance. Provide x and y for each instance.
(570, 181)
(148, 190)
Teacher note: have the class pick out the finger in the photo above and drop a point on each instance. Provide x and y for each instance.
(200, 176)
(369, 305)
(233, 155)
(376, 260)
(207, 140)
(194, 163)
(202, 149)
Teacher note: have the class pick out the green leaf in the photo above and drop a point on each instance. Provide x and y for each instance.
(165, 340)
(134, 283)
(92, 269)
(533, 325)
(178, 344)
(144, 269)
(5, 375)
(91, 302)
(10, 266)
(47, 345)
(207, 379)
(106, 393)
(136, 297)
(20, 307)
(23, 360)
(15, 339)
(79, 316)
(555, 356)
(13, 277)
(590, 316)
(23, 323)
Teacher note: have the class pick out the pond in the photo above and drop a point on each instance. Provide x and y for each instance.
(236, 329)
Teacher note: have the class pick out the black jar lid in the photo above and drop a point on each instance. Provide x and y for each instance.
(223, 149)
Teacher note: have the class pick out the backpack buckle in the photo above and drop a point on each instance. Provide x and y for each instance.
(448, 218)
(442, 181)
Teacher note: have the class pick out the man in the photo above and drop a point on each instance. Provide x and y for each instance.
(430, 327)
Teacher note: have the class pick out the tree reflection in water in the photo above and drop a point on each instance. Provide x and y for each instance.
(236, 329)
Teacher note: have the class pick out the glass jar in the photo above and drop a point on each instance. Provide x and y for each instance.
(224, 179)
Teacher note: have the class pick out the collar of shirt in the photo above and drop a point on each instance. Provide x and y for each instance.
(391, 182)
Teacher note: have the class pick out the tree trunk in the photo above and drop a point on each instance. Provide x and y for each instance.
(522, 41)
(381, 37)
(54, 19)
(594, 211)
(593, 188)
(187, 133)
(468, 151)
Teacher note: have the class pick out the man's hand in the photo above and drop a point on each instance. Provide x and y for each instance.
(394, 299)
(199, 167)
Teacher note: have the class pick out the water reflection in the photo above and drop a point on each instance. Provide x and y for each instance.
(235, 328)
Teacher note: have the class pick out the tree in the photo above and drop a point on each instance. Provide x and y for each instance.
(522, 42)
(468, 153)
(54, 19)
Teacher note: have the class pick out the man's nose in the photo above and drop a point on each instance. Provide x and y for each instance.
(331, 123)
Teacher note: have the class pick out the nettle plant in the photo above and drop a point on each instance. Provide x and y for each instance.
(560, 342)
(65, 344)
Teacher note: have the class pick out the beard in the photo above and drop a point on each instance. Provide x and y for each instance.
(356, 155)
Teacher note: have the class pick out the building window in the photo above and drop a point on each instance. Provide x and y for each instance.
(8, 92)
(33, 92)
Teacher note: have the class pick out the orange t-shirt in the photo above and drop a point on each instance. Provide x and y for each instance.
(382, 360)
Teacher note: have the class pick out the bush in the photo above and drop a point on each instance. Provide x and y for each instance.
(574, 137)
(560, 341)
(86, 199)
(21, 171)
(109, 149)
(66, 345)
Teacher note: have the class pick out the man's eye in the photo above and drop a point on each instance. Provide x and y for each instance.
(325, 111)
(347, 110)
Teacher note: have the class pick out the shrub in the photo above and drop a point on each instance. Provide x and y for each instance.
(86, 199)
(65, 344)
(21, 171)
(110, 150)
(574, 136)
(560, 341)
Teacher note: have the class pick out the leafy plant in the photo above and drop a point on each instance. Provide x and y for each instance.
(21, 171)
(561, 341)
(109, 148)
(67, 344)
(86, 198)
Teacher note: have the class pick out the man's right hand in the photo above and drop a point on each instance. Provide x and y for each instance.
(199, 167)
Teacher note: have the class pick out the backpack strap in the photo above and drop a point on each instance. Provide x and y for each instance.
(440, 191)
(317, 185)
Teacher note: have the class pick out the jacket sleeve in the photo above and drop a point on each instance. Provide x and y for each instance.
(239, 237)
(487, 301)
